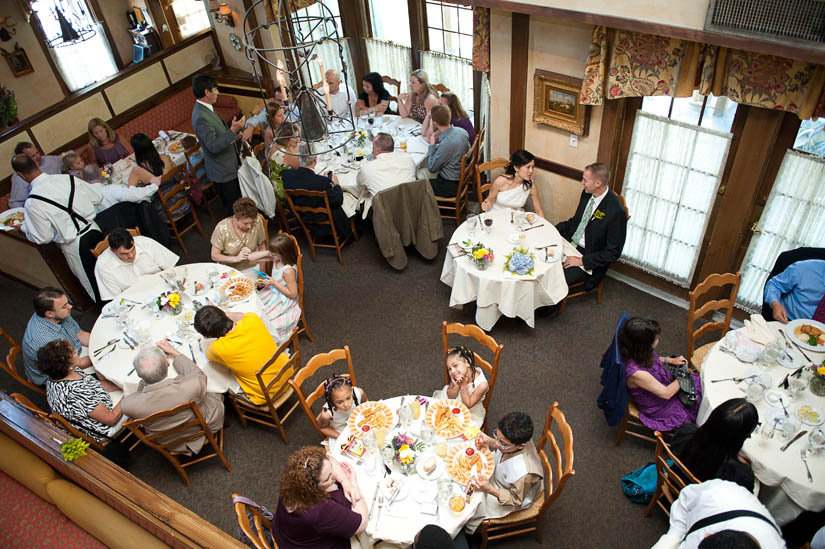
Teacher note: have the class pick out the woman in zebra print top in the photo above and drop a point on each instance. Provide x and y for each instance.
(80, 398)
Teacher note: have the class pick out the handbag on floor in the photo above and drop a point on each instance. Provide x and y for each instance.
(640, 484)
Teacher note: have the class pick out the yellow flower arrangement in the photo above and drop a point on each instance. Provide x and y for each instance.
(481, 252)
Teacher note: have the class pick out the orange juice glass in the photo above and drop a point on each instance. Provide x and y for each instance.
(441, 448)
(380, 435)
(403, 146)
(416, 409)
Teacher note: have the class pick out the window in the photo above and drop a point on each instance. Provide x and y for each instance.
(454, 72)
(673, 173)
(191, 16)
(706, 111)
(450, 28)
(316, 29)
(85, 62)
(311, 27)
(389, 50)
(811, 137)
(391, 21)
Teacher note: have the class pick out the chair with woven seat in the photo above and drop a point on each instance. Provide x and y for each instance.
(103, 244)
(267, 413)
(713, 283)
(670, 479)
(338, 243)
(164, 441)
(490, 367)
(483, 188)
(172, 205)
(207, 186)
(10, 366)
(632, 425)
(556, 475)
(299, 266)
(259, 537)
(313, 365)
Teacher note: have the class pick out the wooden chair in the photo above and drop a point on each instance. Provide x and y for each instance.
(632, 425)
(10, 365)
(170, 205)
(312, 366)
(258, 537)
(207, 186)
(103, 244)
(393, 82)
(191, 429)
(555, 478)
(577, 289)
(670, 479)
(441, 88)
(267, 413)
(299, 265)
(494, 164)
(490, 368)
(64, 424)
(266, 266)
(712, 282)
(31, 407)
(298, 210)
(454, 205)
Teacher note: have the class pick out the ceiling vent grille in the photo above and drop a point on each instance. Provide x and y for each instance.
(797, 20)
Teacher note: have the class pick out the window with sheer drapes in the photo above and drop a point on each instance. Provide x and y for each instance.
(673, 173)
(794, 216)
(454, 72)
(389, 59)
(329, 53)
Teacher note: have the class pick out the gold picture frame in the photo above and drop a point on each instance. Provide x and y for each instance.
(556, 102)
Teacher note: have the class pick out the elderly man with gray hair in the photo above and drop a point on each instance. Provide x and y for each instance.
(158, 392)
(341, 96)
(305, 178)
(389, 168)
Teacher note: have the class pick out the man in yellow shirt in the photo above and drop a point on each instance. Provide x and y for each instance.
(242, 344)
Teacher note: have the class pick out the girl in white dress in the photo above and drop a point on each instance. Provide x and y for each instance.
(512, 189)
(280, 292)
(340, 398)
(467, 383)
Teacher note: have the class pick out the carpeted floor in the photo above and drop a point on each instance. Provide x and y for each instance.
(392, 323)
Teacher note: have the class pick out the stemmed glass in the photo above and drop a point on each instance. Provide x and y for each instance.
(816, 439)
(472, 222)
(371, 117)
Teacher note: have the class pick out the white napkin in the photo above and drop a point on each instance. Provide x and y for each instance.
(570, 251)
(758, 331)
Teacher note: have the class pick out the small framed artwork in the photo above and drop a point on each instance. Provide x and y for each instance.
(556, 102)
(19, 62)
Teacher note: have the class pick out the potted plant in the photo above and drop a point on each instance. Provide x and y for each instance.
(8, 107)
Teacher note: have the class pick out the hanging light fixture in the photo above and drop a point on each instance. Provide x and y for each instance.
(70, 35)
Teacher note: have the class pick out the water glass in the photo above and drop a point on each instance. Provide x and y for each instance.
(789, 427)
(445, 489)
(816, 439)
(798, 385)
(755, 392)
(771, 354)
(441, 447)
(387, 454)
(472, 222)
(405, 414)
(427, 435)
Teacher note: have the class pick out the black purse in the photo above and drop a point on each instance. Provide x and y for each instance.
(687, 386)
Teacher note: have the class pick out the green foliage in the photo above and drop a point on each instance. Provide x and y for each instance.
(73, 449)
(8, 106)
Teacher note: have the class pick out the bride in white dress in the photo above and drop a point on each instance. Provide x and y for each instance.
(511, 190)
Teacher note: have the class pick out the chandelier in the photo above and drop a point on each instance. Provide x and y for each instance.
(300, 37)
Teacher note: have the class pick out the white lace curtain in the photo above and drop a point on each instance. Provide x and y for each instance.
(85, 63)
(328, 51)
(794, 216)
(673, 173)
(389, 59)
(454, 72)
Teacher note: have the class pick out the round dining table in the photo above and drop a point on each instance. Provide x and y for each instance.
(143, 315)
(400, 522)
(496, 291)
(784, 486)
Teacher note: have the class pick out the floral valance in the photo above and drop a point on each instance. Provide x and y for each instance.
(632, 64)
(272, 6)
(481, 39)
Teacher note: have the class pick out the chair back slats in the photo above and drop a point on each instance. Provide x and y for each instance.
(30, 406)
(713, 283)
(624, 204)
(300, 268)
(64, 424)
(338, 243)
(494, 164)
(262, 524)
(292, 365)
(103, 244)
(10, 366)
(670, 479)
(562, 468)
(441, 88)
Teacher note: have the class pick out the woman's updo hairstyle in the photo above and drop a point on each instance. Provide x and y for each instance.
(520, 158)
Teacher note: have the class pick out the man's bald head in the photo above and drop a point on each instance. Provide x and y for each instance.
(25, 166)
(333, 80)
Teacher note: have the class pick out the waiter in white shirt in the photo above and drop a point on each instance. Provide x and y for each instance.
(61, 209)
(341, 97)
(127, 259)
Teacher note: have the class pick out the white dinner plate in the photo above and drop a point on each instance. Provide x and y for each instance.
(790, 331)
(436, 473)
(388, 483)
(818, 419)
(5, 215)
(547, 258)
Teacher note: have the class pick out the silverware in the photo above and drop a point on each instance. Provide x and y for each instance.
(374, 497)
(775, 423)
(534, 227)
(112, 348)
(782, 403)
(796, 437)
(132, 371)
(128, 341)
(735, 379)
(192, 350)
(804, 455)
(393, 495)
(380, 506)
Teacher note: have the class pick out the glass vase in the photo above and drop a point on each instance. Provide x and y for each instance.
(481, 265)
(408, 469)
(818, 386)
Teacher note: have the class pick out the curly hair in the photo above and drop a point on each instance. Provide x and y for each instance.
(299, 481)
(468, 355)
(517, 427)
(55, 358)
(245, 208)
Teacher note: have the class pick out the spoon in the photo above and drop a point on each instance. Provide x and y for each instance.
(804, 455)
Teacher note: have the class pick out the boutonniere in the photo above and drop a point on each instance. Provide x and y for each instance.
(598, 214)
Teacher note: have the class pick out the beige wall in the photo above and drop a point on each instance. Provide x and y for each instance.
(233, 58)
(114, 13)
(685, 13)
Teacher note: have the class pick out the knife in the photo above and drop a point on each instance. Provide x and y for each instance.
(794, 439)
(374, 497)
(394, 495)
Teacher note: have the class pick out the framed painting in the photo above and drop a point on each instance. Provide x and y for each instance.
(19, 62)
(556, 102)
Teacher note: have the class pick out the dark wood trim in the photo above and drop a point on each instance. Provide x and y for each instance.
(477, 81)
(418, 31)
(218, 49)
(355, 25)
(98, 13)
(158, 22)
(560, 169)
(108, 104)
(811, 55)
(518, 80)
(610, 134)
(41, 41)
(166, 74)
(630, 107)
(258, 43)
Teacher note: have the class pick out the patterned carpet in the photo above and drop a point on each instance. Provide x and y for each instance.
(29, 521)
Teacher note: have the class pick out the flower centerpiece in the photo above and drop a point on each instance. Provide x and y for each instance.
(480, 254)
(360, 138)
(171, 302)
(520, 262)
(406, 449)
(73, 449)
(818, 380)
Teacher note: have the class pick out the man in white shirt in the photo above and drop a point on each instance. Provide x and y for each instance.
(705, 502)
(61, 209)
(341, 97)
(389, 168)
(127, 259)
(115, 194)
(21, 188)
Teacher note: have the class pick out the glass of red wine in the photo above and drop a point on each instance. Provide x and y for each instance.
(488, 221)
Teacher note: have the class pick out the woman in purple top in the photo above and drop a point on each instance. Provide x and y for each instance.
(320, 505)
(649, 383)
(458, 117)
(107, 145)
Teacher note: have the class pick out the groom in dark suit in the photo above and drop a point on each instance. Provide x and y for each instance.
(218, 143)
(597, 229)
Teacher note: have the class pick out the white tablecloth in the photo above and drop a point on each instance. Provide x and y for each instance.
(117, 365)
(403, 521)
(782, 470)
(123, 167)
(495, 291)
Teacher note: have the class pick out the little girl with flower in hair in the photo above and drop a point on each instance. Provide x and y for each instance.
(340, 399)
(467, 383)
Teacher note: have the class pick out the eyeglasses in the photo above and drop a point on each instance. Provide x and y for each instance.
(504, 446)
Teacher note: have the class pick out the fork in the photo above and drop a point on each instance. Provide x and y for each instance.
(804, 455)
(380, 506)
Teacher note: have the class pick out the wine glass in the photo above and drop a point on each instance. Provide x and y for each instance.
(371, 117)
(488, 221)
(816, 439)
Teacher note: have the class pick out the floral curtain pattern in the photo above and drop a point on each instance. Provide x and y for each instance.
(481, 39)
(292, 5)
(633, 64)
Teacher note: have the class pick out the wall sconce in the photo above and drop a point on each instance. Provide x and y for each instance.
(223, 14)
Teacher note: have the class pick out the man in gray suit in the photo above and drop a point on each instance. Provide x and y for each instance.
(219, 143)
(158, 392)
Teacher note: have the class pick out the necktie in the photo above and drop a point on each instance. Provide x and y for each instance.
(819, 314)
(588, 211)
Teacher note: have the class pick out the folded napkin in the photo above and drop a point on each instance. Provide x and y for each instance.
(757, 330)
(570, 251)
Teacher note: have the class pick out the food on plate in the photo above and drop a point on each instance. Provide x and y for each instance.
(429, 465)
(465, 462)
(809, 334)
(809, 413)
(198, 287)
(13, 220)
(449, 417)
(175, 147)
(531, 217)
(238, 289)
(457, 504)
(368, 416)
